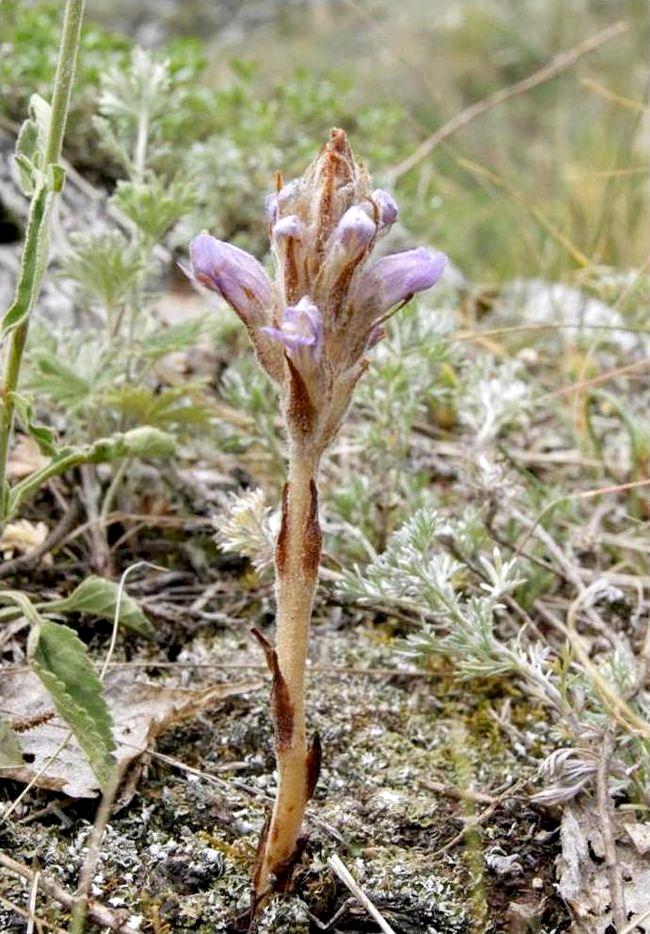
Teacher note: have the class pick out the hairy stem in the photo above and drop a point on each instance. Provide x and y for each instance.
(297, 559)
(37, 237)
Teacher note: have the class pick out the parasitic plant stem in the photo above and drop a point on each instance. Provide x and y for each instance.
(297, 558)
(311, 329)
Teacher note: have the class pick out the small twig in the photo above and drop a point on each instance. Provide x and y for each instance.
(609, 844)
(558, 64)
(41, 923)
(586, 494)
(58, 533)
(617, 706)
(635, 923)
(104, 916)
(97, 528)
(459, 794)
(81, 905)
(31, 908)
(481, 818)
(337, 865)
(329, 925)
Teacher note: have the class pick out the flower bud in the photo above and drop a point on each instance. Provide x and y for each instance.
(234, 274)
(287, 237)
(394, 279)
(289, 226)
(353, 232)
(301, 332)
(386, 208)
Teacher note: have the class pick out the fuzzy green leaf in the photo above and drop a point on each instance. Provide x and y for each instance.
(34, 259)
(139, 442)
(60, 659)
(148, 442)
(42, 435)
(30, 145)
(98, 597)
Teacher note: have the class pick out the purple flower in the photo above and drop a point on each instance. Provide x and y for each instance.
(387, 208)
(354, 232)
(300, 331)
(233, 274)
(395, 278)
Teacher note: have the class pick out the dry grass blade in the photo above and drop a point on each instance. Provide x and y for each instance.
(556, 66)
(337, 865)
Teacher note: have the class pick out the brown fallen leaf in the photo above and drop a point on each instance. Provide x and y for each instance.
(141, 711)
(22, 536)
(582, 872)
(640, 836)
(25, 458)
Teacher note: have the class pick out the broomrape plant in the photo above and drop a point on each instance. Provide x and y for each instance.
(311, 328)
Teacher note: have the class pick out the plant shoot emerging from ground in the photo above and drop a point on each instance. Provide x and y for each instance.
(310, 329)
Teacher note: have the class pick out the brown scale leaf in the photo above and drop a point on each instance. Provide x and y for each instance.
(314, 756)
(312, 536)
(281, 703)
(281, 545)
(301, 414)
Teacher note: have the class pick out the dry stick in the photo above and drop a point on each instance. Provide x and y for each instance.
(619, 708)
(630, 368)
(56, 536)
(337, 865)
(635, 924)
(82, 902)
(32, 904)
(558, 64)
(569, 571)
(41, 923)
(605, 814)
(587, 494)
(104, 916)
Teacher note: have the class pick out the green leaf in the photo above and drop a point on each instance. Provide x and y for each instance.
(105, 267)
(39, 113)
(25, 147)
(23, 604)
(10, 752)
(44, 436)
(155, 205)
(148, 442)
(30, 145)
(139, 442)
(177, 337)
(98, 597)
(33, 261)
(167, 408)
(60, 659)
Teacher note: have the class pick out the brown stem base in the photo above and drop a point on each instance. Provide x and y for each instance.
(297, 558)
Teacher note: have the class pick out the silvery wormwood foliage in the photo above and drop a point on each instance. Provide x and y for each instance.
(415, 571)
(495, 397)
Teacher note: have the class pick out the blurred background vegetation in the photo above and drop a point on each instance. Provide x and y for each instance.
(551, 184)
